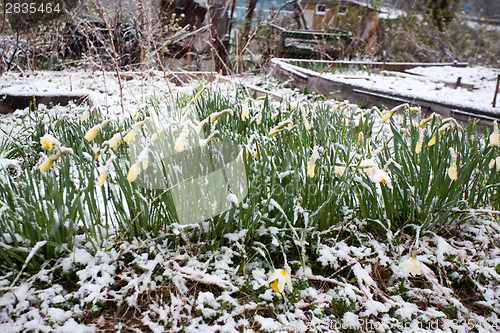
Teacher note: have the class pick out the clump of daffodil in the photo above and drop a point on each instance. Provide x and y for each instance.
(495, 136)
(312, 162)
(279, 278)
(411, 266)
(452, 170)
(216, 115)
(204, 143)
(92, 133)
(284, 125)
(389, 114)
(133, 132)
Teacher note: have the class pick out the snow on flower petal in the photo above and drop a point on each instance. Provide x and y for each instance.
(411, 267)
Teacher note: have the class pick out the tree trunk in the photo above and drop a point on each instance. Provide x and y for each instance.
(248, 20)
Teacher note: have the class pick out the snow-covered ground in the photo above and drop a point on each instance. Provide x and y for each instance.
(158, 285)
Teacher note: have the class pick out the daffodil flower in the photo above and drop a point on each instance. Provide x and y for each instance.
(279, 278)
(452, 170)
(133, 132)
(498, 163)
(373, 171)
(92, 133)
(495, 136)
(47, 141)
(156, 135)
(418, 147)
(105, 171)
(491, 165)
(307, 125)
(85, 116)
(411, 267)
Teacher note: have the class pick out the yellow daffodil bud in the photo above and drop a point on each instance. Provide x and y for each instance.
(130, 135)
(245, 113)
(102, 178)
(91, 134)
(46, 164)
(115, 141)
(498, 163)
(387, 116)
(452, 172)
(418, 148)
(154, 137)
(181, 141)
(491, 165)
(339, 171)
(200, 126)
(495, 136)
(310, 169)
(85, 116)
(216, 115)
(432, 141)
(133, 172)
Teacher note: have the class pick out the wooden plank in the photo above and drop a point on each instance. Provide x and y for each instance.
(390, 66)
(373, 97)
(19, 101)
